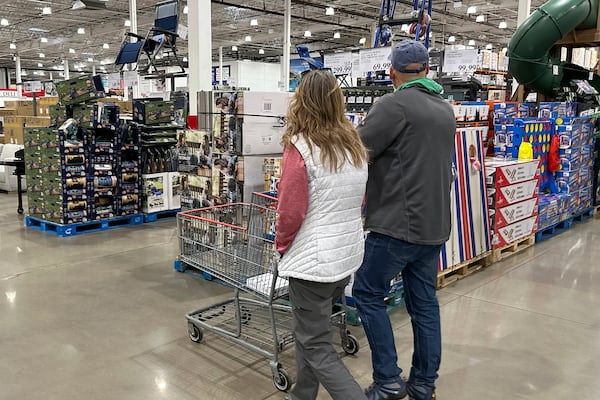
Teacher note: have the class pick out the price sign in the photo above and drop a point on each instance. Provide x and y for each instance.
(113, 81)
(375, 59)
(340, 63)
(460, 61)
(32, 86)
(130, 78)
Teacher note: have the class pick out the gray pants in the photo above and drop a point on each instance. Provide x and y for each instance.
(316, 359)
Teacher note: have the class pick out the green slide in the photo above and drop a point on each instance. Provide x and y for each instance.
(528, 51)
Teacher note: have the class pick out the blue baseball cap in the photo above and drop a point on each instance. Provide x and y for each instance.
(409, 52)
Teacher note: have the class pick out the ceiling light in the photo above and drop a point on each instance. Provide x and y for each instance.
(271, 31)
(504, 49)
(452, 39)
(90, 59)
(13, 46)
(127, 22)
(89, 4)
(184, 59)
(248, 38)
(4, 22)
(14, 58)
(337, 35)
(72, 51)
(307, 34)
(42, 55)
(185, 9)
(23, 73)
(44, 40)
(329, 11)
(233, 48)
(46, 10)
(471, 10)
(253, 22)
(261, 51)
(502, 25)
(81, 31)
(471, 42)
(457, 4)
(40, 65)
(488, 46)
(362, 40)
(480, 18)
(105, 46)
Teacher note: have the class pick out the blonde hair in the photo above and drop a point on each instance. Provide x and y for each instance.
(317, 114)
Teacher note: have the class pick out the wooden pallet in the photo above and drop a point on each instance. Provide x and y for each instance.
(511, 248)
(462, 270)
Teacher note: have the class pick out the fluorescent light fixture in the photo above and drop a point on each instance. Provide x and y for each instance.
(261, 51)
(233, 48)
(102, 62)
(271, 31)
(42, 55)
(253, 22)
(504, 49)
(452, 39)
(471, 42)
(23, 73)
(44, 40)
(480, 18)
(127, 22)
(489, 46)
(81, 31)
(40, 65)
(105, 46)
(13, 46)
(329, 11)
(14, 58)
(502, 25)
(248, 38)
(46, 10)
(4, 22)
(337, 35)
(90, 59)
(307, 34)
(89, 4)
(457, 4)
(362, 40)
(72, 51)
(471, 10)
(185, 9)
(184, 59)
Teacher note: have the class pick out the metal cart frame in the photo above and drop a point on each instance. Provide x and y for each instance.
(234, 243)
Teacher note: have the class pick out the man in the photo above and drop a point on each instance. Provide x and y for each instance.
(410, 138)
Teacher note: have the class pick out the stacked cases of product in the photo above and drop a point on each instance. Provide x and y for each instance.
(469, 237)
(153, 122)
(513, 188)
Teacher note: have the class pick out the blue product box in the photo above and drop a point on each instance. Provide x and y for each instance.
(569, 135)
(585, 197)
(505, 113)
(555, 109)
(587, 155)
(567, 181)
(586, 176)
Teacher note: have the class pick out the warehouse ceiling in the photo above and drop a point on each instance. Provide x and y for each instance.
(28, 26)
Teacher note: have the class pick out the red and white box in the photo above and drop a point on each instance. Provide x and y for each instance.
(515, 212)
(517, 231)
(507, 195)
(501, 173)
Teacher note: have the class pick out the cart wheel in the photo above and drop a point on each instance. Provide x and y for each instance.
(350, 345)
(246, 317)
(282, 380)
(195, 333)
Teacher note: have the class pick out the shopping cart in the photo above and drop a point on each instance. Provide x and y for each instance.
(234, 243)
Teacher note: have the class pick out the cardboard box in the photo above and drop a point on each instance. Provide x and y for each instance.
(515, 212)
(517, 231)
(174, 188)
(508, 172)
(506, 195)
(80, 89)
(262, 135)
(152, 112)
(567, 181)
(263, 103)
(154, 197)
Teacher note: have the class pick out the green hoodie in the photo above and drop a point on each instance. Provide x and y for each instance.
(427, 83)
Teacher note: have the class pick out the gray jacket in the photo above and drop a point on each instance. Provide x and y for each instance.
(410, 137)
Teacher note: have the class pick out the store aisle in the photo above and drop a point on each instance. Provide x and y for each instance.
(101, 316)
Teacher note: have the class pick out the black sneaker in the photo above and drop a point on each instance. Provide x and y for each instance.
(420, 393)
(392, 391)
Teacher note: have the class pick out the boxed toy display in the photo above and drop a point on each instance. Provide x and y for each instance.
(508, 172)
(152, 111)
(514, 232)
(504, 216)
(80, 89)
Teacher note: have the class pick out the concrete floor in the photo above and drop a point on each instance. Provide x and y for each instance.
(101, 316)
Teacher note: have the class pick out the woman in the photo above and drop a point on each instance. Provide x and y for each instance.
(319, 228)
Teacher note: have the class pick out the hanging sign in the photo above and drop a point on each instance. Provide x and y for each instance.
(375, 59)
(32, 86)
(113, 81)
(460, 61)
(340, 63)
(130, 78)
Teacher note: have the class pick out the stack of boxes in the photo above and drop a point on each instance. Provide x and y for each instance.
(161, 184)
(83, 167)
(512, 188)
(576, 149)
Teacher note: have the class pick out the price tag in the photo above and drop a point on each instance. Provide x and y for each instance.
(555, 69)
(375, 59)
(340, 63)
(464, 61)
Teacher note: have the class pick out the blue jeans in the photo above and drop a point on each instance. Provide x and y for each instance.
(385, 258)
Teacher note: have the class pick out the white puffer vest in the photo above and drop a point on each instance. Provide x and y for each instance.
(330, 244)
